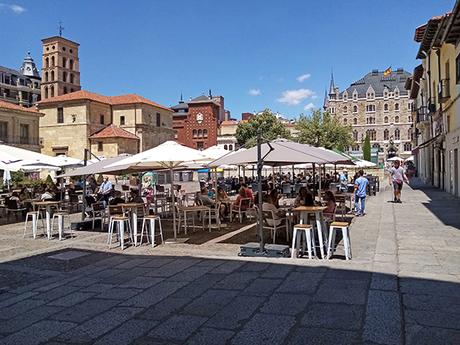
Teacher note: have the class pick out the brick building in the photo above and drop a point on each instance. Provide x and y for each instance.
(197, 122)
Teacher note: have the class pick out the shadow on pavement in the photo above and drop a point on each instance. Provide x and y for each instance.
(86, 297)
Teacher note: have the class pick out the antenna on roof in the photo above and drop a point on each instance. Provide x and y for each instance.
(210, 94)
(61, 28)
(181, 98)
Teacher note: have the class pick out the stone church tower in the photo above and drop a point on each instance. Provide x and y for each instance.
(60, 67)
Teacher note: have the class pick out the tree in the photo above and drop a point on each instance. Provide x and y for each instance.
(270, 126)
(322, 129)
(367, 148)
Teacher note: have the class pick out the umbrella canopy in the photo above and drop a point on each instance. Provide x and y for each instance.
(215, 152)
(13, 153)
(99, 167)
(409, 159)
(284, 153)
(395, 158)
(361, 163)
(65, 161)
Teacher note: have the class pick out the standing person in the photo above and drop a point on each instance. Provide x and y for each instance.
(397, 177)
(361, 184)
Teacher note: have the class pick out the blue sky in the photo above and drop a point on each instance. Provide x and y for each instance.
(256, 53)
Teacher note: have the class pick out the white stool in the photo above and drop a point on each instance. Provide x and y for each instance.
(60, 218)
(151, 220)
(35, 216)
(339, 226)
(120, 222)
(301, 230)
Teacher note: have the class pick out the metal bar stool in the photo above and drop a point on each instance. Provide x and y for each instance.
(339, 226)
(150, 219)
(119, 221)
(301, 230)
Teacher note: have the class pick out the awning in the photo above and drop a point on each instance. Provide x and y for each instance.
(426, 143)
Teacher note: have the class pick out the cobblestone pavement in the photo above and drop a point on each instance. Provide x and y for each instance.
(402, 287)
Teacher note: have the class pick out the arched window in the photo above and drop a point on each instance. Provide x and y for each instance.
(225, 147)
(64, 62)
(205, 133)
(230, 147)
(397, 134)
(355, 108)
(345, 121)
(52, 75)
(385, 119)
(70, 64)
(52, 61)
(407, 147)
(355, 135)
(46, 76)
(409, 134)
(345, 109)
(46, 92)
(200, 133)
(355, 121)
(194, 133)
(396, 106)
(51, 91)
(409, 118)
(376, 146)
(47, 62)
(71, 78)
(64, 76)
(345, 96)
(386, 134)
(371, 134)
(396, 119)
(65, 90)
(385, 107)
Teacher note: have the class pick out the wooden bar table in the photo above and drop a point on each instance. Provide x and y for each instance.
(133, 206)
(47, 205)
(317, 211)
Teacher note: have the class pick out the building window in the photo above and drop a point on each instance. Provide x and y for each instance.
(345, 97)
(409, 118)
(355, 96)
(397, 134)
(64, 77)
(372, 134)
(24, 134)
(46, 76)
(355, 121)
(52, 61)
(407, 147)
(370, 108)
(158, 120)
(199, 145)
(370, 120)
(230, 147)
(396, 93)
(345, 121)
(47, 62)
(225, 147)
(52, 75)
(71, 78)
(46, 92)
(3, 131)
(101, 119)
(195, 133)
(409, 134)
(345, 109)
(396, 106)
(385, 119)
(355, 108)
(60, 115)
(200, 133)
(100, 146)
(205, 133)
(385, 107)
(355, 135)
(396, 119)
(65, 90)
(70, 64)
(122, 120)
(457, 69)
(332, 110)
(386, 134)
(64, 62)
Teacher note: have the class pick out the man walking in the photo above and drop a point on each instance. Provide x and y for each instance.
(397, 177)
(361, 184)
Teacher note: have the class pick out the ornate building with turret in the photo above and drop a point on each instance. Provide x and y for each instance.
(376, 105)
(21, 86)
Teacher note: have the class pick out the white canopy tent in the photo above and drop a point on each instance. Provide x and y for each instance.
(395, 158)
(169, 155)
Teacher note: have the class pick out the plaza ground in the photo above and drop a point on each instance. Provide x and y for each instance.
(402, 286)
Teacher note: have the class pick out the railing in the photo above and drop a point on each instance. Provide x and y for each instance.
(17, 140)
(423, 114)
(443, 90)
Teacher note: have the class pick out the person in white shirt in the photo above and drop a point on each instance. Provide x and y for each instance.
(278, 215)
(396, 178)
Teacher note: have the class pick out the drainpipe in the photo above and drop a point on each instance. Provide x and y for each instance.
(441, 151)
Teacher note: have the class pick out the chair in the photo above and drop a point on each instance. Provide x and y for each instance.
(60, 216)
(339, 226)
(12, 206)
(269, 217)
(300, 231)
(119, 221)
(241, 209)
(34, 216)
(286, 189)
(148, 224)
(97, 211)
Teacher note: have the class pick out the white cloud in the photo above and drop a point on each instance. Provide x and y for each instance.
(12, 7)
(309, 107)
(303, 77)
(254, 92)
(294, 97)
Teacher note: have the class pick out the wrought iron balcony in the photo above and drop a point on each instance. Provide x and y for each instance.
(443, 90)
(423, 114)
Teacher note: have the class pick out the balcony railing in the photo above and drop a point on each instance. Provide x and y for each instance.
(443, 90)
(423, 114)
(19, 140)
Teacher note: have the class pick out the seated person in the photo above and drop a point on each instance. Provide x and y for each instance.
(305, 198)
(47, 195)
(331, 205)
(275, 197)
(135, 197)
(248, 190)
(203, 198)
(278, 215)
(222, 197)
(241, 195)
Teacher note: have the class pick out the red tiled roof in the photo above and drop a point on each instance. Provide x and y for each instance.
(112, 131)
(228, 123)
(16, 107)
(112, 100)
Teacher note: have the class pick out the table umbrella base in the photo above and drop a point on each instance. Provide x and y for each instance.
(252, 249)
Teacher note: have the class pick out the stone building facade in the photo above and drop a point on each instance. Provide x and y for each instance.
(21, 86)
(19, 126)
(60, 67)
(377, 105)
(197, 122)
(72, 119)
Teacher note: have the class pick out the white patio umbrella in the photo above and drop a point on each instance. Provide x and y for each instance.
(361, 163)
(409, 159)
(13, 153)
(65, 161)
(169, 155)
(395, 158)
(6, 178)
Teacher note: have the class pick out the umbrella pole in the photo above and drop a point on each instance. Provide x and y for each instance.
(173, 204)
(259, 192)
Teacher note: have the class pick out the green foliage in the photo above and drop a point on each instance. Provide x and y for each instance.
(17, 177)
(269, 125)
(367, 149)
(323, 129)
(49, 180)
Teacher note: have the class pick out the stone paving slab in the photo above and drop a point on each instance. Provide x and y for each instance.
(402, 287)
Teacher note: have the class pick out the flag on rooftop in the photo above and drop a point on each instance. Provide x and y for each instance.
(387, 72)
